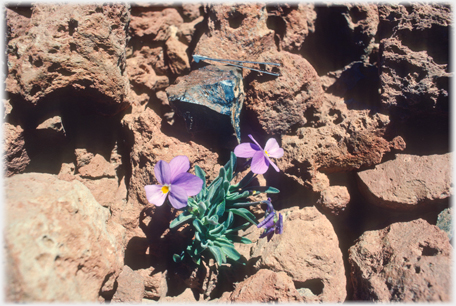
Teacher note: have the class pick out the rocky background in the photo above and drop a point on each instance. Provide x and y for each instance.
(361, 109)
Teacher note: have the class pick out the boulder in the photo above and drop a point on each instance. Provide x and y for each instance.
(307, 251)
(130, 287)
(404, 262)
(58, 244)
(408, 182)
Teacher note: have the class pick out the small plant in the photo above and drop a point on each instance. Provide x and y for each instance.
(210, 208)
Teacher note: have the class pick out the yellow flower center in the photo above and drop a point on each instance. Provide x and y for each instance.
(266, 152)
(165, 189)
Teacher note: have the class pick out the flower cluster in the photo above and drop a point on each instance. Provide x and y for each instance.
(211, 208)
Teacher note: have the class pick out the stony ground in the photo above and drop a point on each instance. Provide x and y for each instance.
(361, 109)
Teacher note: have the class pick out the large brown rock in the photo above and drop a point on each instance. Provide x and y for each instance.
(409, 181)
(78, 47)
(340, 139)
(404, 262)
(300, 253)
(59, 247)
(130, 287)
(280, 103)
(265, 286)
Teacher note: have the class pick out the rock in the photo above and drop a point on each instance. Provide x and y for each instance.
(147, 21)
(408, 182)
(177, 53)
(54, 123)
(404, 262)
(299, 22)
(265, 286)
(338, 140)
(155, 283)
(98, 167)
(300, 253)
(79, 48)
(15, 157)
(444, 222)
(130, 287)
(191, 10)
(187, 30)
(209, 97)
(411, 80)
(334, 199)
(236, 32)
(188, 296)
(103, 190)
(66, 173)
(280, 103)
(58, 245)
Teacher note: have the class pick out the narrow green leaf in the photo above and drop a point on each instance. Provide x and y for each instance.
(221, 208)
(229, 220)
(241, 227)
(216, 230)
(245, 180)
(201, 174)
(264, 189)
(198, 225)
(236, 238)
(231, 253)
(244, 213)
(236, 196)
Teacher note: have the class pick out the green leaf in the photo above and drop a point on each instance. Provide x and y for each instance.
(220, 209)
(231, 252)
(244, 213)
(198, 225)
(264, 189)
(236, 238)
(214, 188)
(182, 218)
(241, 227)
(201, 174)
(217, 254)
(229, 220)
(245, 181)
(236, 196)
(217, 230)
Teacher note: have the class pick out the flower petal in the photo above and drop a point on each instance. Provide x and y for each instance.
(251, 137)
(246, 150)
(189, 182)
(260, 163)
(178, 197)
(155, 195)
(162, 172)
(268, 221)
(279, 225)
(273, 148)
(178, 165)
(267, 232)
(273, 164)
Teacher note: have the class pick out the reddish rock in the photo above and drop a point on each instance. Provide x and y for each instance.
(404, 262)
(59, 247)
(280, 103)
(155, 283)
(177, 53)
(299, 23)
(191, 10)
(236, 32)
(408, 182)
(339, 140)
(98, 167)
(334, 199)
(15, 157)
(147, 21)
(300, 253)
(130, 287)
(412, 80)
(265, 286)
(78, 47)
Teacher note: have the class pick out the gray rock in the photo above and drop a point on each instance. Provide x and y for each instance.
(444, 222)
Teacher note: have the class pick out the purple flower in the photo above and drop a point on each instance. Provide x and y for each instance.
(272, 223)
(260, 158)
(175, 181)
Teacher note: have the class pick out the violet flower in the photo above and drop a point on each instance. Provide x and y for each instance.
(175, 182)
(272, 223)
(260, 158)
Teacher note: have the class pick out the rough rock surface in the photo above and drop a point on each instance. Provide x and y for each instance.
(15, 157)
(344, 140)
(334, 199)
(445, 223)
(412, 80)
(130, 287)
(404, 262)
(408, 181)
(310, 263)
(265, 286)
(280, 103)
(81, 47)
(58, 245)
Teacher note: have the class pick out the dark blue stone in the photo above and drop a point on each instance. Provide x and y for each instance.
(209, 98)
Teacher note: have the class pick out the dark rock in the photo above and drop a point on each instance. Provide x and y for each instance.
(209, 98)
(444, 222)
